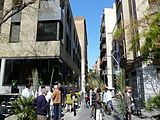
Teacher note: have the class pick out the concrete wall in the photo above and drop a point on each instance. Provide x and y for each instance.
(126, 24)
(27, 45)
(151, 80)
(81, 31)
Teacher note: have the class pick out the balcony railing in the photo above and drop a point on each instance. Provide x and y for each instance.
(103, 35)
(104, 46)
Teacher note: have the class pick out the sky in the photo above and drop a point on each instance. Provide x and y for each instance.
(92, 10)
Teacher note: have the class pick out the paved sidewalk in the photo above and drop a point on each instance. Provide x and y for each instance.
(83, 113)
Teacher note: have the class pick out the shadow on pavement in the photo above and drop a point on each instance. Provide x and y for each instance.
(116, 117)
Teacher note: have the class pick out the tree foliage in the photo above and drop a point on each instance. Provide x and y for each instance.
(152, 37)
(118, 33)
(153, 103)
(94, 81)
(120, 97)
(151, 32)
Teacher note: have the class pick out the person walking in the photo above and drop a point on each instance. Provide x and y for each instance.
(90, 97)
(56, 102)
(76, 99)
(87, 100)
(107, 100)
(62, 93)
(93, 110)
(98, 105)
(41, 105)
(69, 101)
(129, 99)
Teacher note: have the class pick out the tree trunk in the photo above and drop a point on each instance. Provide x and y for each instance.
(35, 81)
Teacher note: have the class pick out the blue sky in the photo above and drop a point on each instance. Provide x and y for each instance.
(92, 11)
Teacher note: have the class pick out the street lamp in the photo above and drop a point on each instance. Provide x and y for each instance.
(117, 62)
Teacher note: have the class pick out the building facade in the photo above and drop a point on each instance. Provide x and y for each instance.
(96, 66)
(43, 38)
(140, 71)
(80, 24)
(107, 26)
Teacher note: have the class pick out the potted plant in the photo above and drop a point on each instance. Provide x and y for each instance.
(23, 108)
(14, 82)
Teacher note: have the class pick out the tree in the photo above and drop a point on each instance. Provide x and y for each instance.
(153, 103)
(120, 97)
(150, 26)
(152, 37)
(94, 81)
(17, 6)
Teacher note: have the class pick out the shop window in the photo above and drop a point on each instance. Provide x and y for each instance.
(20, 70)
(16, 3)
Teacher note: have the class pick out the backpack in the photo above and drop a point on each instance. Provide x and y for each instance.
(93, 98)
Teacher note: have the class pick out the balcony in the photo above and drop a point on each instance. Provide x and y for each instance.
(102, 27)
(103, 38)
(103, 35)
(103, 46)
(103, 61)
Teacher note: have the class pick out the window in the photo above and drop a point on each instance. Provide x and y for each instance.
(21, 69)
(68, 44)
(0, 63)
(47, 31)
(15, 32)
(68, 16)
(74, 55)
(61, 31)
(1, 4)
(16, 3)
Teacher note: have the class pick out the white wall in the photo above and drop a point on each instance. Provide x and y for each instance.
(110, 21)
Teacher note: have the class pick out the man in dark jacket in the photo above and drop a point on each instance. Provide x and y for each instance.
(98, 105)
(42, 106)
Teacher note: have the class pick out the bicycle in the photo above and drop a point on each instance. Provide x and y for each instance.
(107, 108)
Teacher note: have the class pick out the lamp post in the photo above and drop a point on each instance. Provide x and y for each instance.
(117, 62)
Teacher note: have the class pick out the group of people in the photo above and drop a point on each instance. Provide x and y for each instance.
(97, 100)
(101, 102)
(49, 102)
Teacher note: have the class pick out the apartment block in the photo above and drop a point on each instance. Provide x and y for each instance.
(96, 66)
(42, 38)
(107, 26)
(141, 72)
(80, 23)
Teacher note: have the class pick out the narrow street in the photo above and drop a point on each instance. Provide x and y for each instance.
(83, 113)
